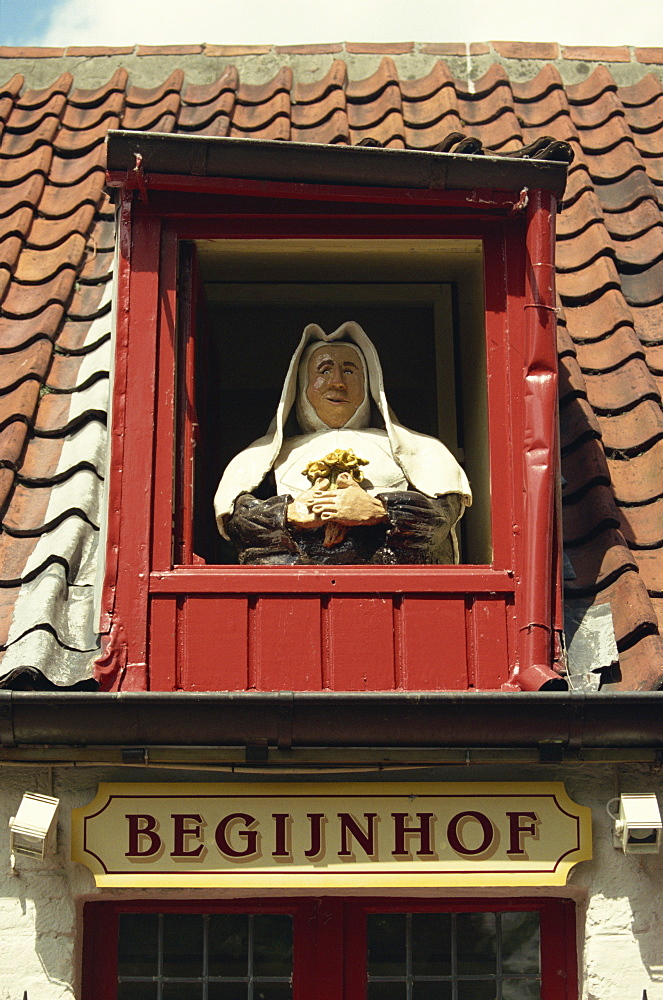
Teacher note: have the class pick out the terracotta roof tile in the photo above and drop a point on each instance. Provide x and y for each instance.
(47, 233)
(25, 193)
(646, 90)
(85, 117)
(38, 98)
(57, 251)
(61, 202)
(29, 363)
(13, 87)
(25, 119)
(637, 478)
(138, 97)
(589, 90)
(67, 171)
(38, 266)
(197, 94)
(20, 143)
(200, 118)
(153, 116)
(15, 334)
(25, 301)
(625, 192)
(100, 95)
(639, 219)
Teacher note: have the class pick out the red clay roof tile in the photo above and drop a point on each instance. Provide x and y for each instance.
(37, 98)
(146, 118)
(13, 86)
(370, 87)
(30, 362)
(649, 55)
(79, 98)
(608, 252)
(25, 301)
(62, 202)
(25, 193)
(196, 119)
(26, 119)
(637, 478)
(592, 88)
(597, 53)
(642, 93)
(14, 335)
(335, 79)
(85, 117)
(138, 97)
(16, 223)
(197, 94)
(21, 143)
(46, 233)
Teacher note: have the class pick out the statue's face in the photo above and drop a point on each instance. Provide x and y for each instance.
(335, 383)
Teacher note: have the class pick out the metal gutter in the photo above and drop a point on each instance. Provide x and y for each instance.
(563, 720)
(316, 163)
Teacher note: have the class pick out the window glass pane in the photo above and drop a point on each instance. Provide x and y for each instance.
(386, 945)
(227, 991)
(272, 945)
(228, 944)
(521, 989)
(137, 991)
(520, 942)
(386, 991)
(472, 990)
(431, 944)
(182, 944)
(476, 941)
(182, 991)
(137, 947)
(272, 991)
(431, 991)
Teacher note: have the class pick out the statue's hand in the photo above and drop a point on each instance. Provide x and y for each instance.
(348, 504)
(300, 511)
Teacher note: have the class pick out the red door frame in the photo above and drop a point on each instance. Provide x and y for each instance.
(330, 938)
(521, 406)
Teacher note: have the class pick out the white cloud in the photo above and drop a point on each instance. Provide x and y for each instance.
(167, 22)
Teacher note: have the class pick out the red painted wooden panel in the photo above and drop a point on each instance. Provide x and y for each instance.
(431, 646)
(358, 633)
(489, 661)
(213, 643)
(162, 668)
(284, 643)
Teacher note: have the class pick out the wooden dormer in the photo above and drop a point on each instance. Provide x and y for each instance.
(224, 241)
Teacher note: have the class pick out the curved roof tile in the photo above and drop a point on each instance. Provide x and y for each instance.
(56, 256)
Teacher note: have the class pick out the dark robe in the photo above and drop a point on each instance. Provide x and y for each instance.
(417, 531)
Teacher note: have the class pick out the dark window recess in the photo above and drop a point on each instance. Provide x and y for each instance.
(453, 956)
(209, 956)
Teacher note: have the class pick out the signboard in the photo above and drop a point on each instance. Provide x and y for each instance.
(331, 835)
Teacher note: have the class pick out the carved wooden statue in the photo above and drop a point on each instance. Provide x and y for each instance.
(336, 479)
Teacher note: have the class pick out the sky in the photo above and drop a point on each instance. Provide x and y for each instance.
(283, 22)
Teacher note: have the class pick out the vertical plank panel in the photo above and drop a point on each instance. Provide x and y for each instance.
(161, 663)
(214, 643)
(286, 645)
(361, 643)
(433, 643)
(491, 651)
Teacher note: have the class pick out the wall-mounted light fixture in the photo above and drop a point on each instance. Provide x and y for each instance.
(637, 827)
(33, 829)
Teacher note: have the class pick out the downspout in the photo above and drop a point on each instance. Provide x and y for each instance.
(535, 654)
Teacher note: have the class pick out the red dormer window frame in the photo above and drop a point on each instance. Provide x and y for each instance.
(172, 624)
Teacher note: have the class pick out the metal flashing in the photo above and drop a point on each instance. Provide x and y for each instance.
(315, 163)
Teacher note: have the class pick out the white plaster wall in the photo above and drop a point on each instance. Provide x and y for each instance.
(619, 898)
